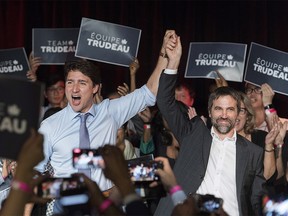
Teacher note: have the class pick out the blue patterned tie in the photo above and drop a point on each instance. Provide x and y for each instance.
(84, 141)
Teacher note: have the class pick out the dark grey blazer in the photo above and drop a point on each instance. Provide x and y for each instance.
(195, 143)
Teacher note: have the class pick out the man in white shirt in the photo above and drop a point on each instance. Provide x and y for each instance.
(216, 161)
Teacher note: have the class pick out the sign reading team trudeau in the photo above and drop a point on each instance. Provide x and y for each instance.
(14, 62)
(267, 65)
(54, 46)
(206, 58)
(107, 42)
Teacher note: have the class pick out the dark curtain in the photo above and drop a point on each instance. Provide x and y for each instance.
(262, 22)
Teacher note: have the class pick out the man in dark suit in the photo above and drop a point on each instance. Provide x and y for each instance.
(216, 161)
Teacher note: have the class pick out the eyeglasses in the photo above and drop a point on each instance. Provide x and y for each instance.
(242, 111)
(57, 89)
(256, 90)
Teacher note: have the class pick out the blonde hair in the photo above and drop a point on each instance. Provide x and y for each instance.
(250, 121)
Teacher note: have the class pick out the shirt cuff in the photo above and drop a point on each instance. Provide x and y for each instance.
(170, 71)
(1, 179)
(178, 197)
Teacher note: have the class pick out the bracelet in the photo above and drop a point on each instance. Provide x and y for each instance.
(272, 150)
(279, 146)
(22, 186)
(269, 106)
(147, 126)
(175, 189)
(164, 55)
(269, 111)
(105, 205)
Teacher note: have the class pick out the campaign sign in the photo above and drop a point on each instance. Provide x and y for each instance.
(267, 65)
(107, 42)
(18, 114)
(206, 58)
(14, 62)
(53, 45)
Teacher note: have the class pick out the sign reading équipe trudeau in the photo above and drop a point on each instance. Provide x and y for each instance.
(14, 62)
(205, 58)
(267, 65)
(107, 42)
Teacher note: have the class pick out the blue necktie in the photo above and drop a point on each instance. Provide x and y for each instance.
(84, 141)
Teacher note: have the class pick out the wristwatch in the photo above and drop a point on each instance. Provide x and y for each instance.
(269, 106)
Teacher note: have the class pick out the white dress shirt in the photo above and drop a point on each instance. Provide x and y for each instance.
(61, 131)
(220, 176)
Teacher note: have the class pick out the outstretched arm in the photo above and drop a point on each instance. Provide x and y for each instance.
(133, 67)
(169, 42)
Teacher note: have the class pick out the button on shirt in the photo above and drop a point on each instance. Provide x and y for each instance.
(220, 176)
(61, 131)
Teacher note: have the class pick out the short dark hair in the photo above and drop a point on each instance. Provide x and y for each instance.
(185, 85)
(224, 91)
(52, 79)
(51, 111)
(84, 66)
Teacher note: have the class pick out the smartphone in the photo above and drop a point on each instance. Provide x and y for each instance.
(144, 171)
(54, 187)
(275, 204)
(87, 159)
(208, 203)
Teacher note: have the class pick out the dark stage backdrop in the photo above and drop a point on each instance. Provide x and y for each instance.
(263, 22)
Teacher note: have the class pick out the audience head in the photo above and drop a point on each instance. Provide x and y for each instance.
(114, 95)
(54, 89)
(51, 111)
(255, 95)
(246, 118)
(185, 94)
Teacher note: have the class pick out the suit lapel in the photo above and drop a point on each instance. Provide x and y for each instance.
(207, 142)
(242, 155)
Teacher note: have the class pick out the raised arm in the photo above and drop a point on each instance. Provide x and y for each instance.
(169, 42)
(133, 67)
(34, 64)
(267, 98)
(220, 80)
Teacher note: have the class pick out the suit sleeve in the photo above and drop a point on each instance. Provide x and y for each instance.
(258, 189)
(177, 120)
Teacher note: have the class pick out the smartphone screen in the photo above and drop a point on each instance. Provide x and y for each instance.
(143, 171)
(53, 187)
(275, 204)
(87, 159)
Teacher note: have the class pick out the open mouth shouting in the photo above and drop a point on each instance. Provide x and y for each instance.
(76, 100)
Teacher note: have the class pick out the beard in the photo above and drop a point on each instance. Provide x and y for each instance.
(221, 127)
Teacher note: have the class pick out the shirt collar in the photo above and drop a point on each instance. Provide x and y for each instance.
(215, 135)
(72, 114)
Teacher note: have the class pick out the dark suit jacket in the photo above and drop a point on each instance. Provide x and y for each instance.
(195, 143)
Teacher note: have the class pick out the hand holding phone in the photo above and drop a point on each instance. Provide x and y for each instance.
(87, 159)
(142, 171)
(53, 188)
(208, 203)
